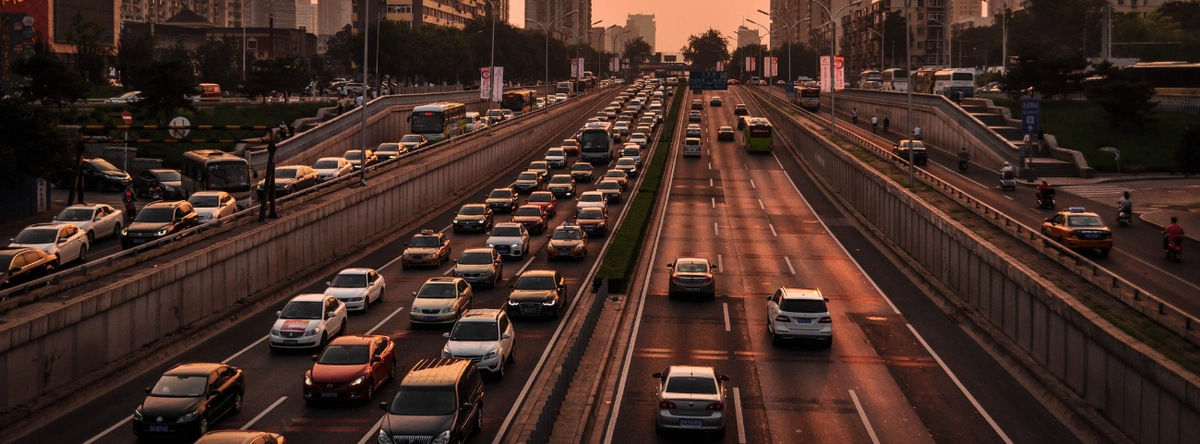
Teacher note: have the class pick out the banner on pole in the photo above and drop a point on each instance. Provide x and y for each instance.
(824, 75)
(720, 66)
(497, 83)
(574, 69)
(579, 68)
(485, 83)
(839, 76)
(774, 67)
(749, 64)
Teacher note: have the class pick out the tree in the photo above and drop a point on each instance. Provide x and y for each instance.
(1124, 98)
(33, 145)
(893, 36)
(1188, 153)
(219, 62)
(173, 81)
(705, 50)
(1046, 73)
(277, 74)
(90, 56)
(135, 52)
(50, 80)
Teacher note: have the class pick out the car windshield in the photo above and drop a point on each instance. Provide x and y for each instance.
(803, 306)
(155, 215)
(608, 185)
(325, 164)
(591, 213)
(75, 215)
(103, 165)
(180, 386)
(500, 194)
(527, 176)
(349, 280)
(424, 401)
(438, 290)
(1084, 221)
(538, 166)
(424, 242)
(36, 236)
(528, 211)
(631, 152)
(168, 176)
(286, 173)
(614, 173)
(561, 179)
(567, 234)
(387, 147)
(570, 142)
(412, 138)
(591, 198)
(475, 259)
(692, 268)
(626, 162)
(472, 211)
(353, 155)
(345, 355)
(302, 310)
(506, 231)
(535, 283)
(580, 166)
(475, 331)
(692, 385)
(541, 198)
(204, 201)
(554, 153)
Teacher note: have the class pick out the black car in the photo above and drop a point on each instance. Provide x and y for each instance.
(528, 182)
(188, 399)
(20, 265)
(158, 220)
(169, 181)
(289, 179)
(715, 101)
(582, 172)
(537, 293)
(474, 217)
(439, 400)
(741, 110)
(414, 141)
(98, 175)
(502, 200)
(562, 185)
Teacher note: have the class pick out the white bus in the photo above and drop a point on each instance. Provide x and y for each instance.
(596, 142)
(947, 82)
(870, 79)
(895, 79)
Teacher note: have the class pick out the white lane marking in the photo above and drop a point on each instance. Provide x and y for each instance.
(1007, 197)
(391, 262)
(752, 184)
(746, 167)
(971, 398)
(448, 271)
(720, 263)
(863, 414)
(443, 230)
(1165, 272)
(523, 267)
(384, 321)
(714, 202)
(263, 413)
(108, 430)
(373, 432)
(835, 239)
(737, 410)
(725, 307)
(248, 347)
(716, 231)
(760, 205)
(773, 233)
(789, 264)
(710, 183)
(710, 165)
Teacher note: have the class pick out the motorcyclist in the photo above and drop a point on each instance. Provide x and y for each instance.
(1006, 170)
(1125, 205)
(1172, 232)
(1042, 187)
(916, 133)
(963, 157)
(874, 124)
(128, 197)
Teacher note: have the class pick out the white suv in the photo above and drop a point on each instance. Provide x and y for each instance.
(307, 321)
(799, 313)
(485, 336)
(509, 239)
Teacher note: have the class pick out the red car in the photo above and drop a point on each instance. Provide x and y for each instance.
(571, 147)
(533, 217)
(350, 369)
(546, 200)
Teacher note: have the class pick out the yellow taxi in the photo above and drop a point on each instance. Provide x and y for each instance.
(1076, 228)
(567, 241)
(428, 248)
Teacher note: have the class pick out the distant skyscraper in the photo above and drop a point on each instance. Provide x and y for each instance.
(454, 14)
(262, 12)
(544, 11)
(306, 16)
(747, 36)
(785, 13)
(644, 27)
(332, 16)
(158, 11)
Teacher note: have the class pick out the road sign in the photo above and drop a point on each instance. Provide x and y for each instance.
(1030, 115)
(181, 132)
(708, 80)
(126, 117)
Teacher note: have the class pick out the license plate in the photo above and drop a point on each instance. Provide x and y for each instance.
(418, 261)
(289, 342)
(587, 229)
(329, 395)
(691, 289)
(139, 241)
(529, 310)
(564, 253)
(689, 422)
(1093, 236)
(430, 318)
(803, 321)
(159, 428)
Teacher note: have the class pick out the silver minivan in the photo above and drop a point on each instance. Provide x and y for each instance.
(691, 146)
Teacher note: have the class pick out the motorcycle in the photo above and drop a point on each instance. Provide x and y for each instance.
(1175, 248)
(130, 209)
(1045, 198)
(1124, 217)
(155, 193)
(962, 166)
(1008, 181)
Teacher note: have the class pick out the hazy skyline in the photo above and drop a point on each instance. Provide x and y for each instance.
(675, 19)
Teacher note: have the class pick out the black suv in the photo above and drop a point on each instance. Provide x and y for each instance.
(440, 400)
(158, 220)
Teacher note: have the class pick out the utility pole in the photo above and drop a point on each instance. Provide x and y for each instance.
(362, 112)
(833, 60)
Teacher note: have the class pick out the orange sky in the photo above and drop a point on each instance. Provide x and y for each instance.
(676, 19)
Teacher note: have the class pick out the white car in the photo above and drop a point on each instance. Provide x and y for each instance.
(96, 220)
(560, 97)
(329, 168)
(592, 199)
(357, 288)
(556, 157)
(632, 151)
(128, 97)
(59, 239)
(441, 300)
(308, 321)
(509, 239)
(213, 205)
(692, 147)
(485, 336)
(690, 398)
(693, 130)
(621, 127)
(799, 313)
(640, 139)
(508, 114)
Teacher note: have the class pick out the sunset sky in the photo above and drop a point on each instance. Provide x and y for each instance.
(676, 19)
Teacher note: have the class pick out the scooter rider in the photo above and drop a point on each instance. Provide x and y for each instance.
(1041, 188)
(1125, 206)
(916, 133)
(1171, 232)
(963, 157)
(1006, 170)
(128, 197)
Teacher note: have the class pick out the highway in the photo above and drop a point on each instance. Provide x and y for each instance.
(274, 400)
(898, 371)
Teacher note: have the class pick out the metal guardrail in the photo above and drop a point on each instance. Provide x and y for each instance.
(1162, 312)
(19, 294)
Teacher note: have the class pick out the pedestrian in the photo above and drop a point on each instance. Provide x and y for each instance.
(283, 134)
(358, 101)
(886, 124)
(339, 108)
(874, 123)
(916, 133)
(291, 130)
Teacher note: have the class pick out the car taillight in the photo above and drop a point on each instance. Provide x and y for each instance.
(676, 279)
(664, 404)
(708, 279)
(715, 406)
(782, 318)
(825, 320)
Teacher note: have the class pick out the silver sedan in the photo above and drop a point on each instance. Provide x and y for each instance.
(691, 398)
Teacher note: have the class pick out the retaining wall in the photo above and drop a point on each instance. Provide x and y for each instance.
(1137, 390)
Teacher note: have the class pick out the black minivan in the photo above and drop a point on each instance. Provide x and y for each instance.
(439, 400)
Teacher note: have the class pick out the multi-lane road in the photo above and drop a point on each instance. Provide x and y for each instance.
(274, 399)
(898, 370)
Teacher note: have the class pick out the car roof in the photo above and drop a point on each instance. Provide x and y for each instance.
(46, 225)
(214, 193)
(437, 372)
(612, 181)
(480, 314)
(533, 273)
(308, 297)
(691, 260)
(192, 369)
(585, 193)
(508, 224)
(354, 339)
(231, 436)
(691, 370)
(474, 205)
(162, 170)
(162, 204)
(88, 206)
(442, 280)
(355, 271)
(811, 294)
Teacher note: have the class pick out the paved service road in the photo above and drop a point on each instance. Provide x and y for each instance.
(274, 400)
(880, 381)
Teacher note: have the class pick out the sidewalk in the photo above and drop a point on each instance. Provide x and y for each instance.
(1106, 178)
(1189, 220)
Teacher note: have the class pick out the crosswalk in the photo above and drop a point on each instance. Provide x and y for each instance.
(1095, 192)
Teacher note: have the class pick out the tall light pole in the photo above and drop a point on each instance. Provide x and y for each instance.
(762, 70)
(546, 29)
(833, 59)
(576, 33)
(615, 37)
(600, 50)
(880, 34)
(789, 40)
(362, 112)
(908, 90)
(492, 63)
(245, 6)
(378, 83)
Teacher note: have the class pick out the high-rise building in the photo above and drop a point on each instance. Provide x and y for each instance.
(596, 37)
(158, 11)
(306, 16)
(860, 35)
(434, 12)
(747, 37)
(332, 16)
(265, 13)
(644, 27)
(964, 9)
(787, 14)
(545, 11)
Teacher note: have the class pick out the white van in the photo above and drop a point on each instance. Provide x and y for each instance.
(691, 147)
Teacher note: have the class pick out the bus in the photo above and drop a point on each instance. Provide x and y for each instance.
(585, 84)
(596, 142)
(808, 98)
(1177, 78)
(758, 135)
(564, 88)
(214, 170)
(519, 101)
(922, 80)
(439, 121)
(947, 82)
(894, 79)
(870, 79)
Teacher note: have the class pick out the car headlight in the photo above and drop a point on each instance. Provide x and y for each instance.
(429, 256)
(137, 414)
(384, 438)
(578, 247)
(312, 331)
(168, 188)
(513, 303)
(443, 438)
(446, 351)
(491, 354)
(188, 417)
(124, 231)
(308, 380)
(491, 245)
(448, 310)
(358, 380)
(162, 232)
(516, 245)
(549, 249)
(415, 309)
(274, 331)
(455, 220)
(549, 303)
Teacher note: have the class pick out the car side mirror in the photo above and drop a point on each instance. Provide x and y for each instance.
(279, 313)
(97, 219)
(657, 375)
(724, 378)
(330, 315)
(670, 265)
(383, 406)
(62, 240)
(314, 357)
(376, 359)
(1048, 220)
(147, 389)
(414, 293)
(214, 392)
(512, 285)
(769, 297)
(466, 407)
(506, 336)
(446, 335)
(328, 284)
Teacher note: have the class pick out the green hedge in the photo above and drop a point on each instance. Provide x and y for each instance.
(622, 254)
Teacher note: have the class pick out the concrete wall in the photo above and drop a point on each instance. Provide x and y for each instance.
(1140, 392)
(46, 346)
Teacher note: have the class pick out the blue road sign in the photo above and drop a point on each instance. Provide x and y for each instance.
(1030, 115)
(708, 80)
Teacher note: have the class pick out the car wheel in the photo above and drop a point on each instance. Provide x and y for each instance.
(370, 390)
(392, 371)
(116, 229)
(342, 330)
(381, 291)
(829, 342)
(237, 403)
(500, 372)
(91, 236)
(202, 426)
(83, 253)
(324, 338)
(366, 304)
(1059, 240)
(1104, 252)
(478, 420)
(512, 352)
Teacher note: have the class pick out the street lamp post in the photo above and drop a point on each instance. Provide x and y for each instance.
(362, 112)
(546, 29)
(833, 59)
(789, 40)
(880, 34)
(378, 83)
(576, 33)
(762, 69)
(492, 62)
(600, 51)
(615, 37)
(244, 44)
(908, 90)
